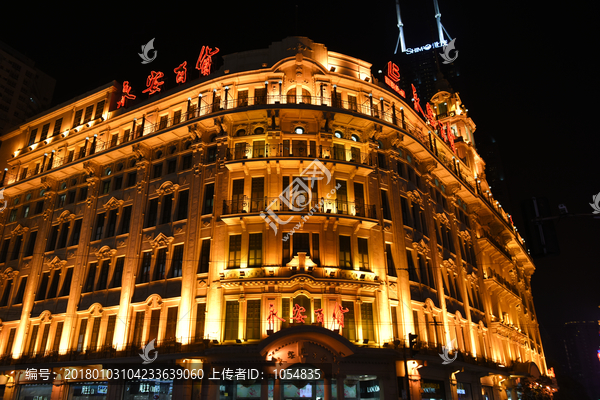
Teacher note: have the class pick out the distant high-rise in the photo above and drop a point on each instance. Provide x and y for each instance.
(24, 89)
(582, 345)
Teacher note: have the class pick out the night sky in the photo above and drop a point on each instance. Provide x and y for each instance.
(527, 79)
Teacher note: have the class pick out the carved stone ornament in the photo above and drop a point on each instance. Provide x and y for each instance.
(66, 216)
(48, 183)
(414, 196)
(167, 188)
(421, 247)
(442, 218)
(55, 263)
(95, 310)
(105, 252)
(465, 235)
(45, 317)
(140, 186)
(112, 203)
(141, 151)
(19, 230)
(154, 301)
(161, 240)
(90, 168)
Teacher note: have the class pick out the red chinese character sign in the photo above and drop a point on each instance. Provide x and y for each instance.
(153, 83)
(338, 316)
(320, 315)
(205, 59)
(181, 72)
(393, 77)
(125, 95)
(298, 317)
(272, 316)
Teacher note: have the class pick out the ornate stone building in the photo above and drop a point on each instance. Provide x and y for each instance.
(195, 217)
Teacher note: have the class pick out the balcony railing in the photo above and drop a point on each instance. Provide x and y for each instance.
(319, 206)
(491, 274)
(243, 151)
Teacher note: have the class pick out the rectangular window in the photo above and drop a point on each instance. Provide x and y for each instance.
(171, 166)
(81, 337)
(66, 287)
(257, 195)
(157, 171)
(26, 211)
(154, 323)
(88, 114)
(64, 234)
(145, 267)
(95, 333)
(99, 109)
(32, 137)
(412, 272)
(71, 196)
(385, 205)
(161, 264)
(103, 277)
(176, 117)
(39, 207)
(366, 314)
(77, 119)
(260, 96)
(110, 331)
(211, 155)
(352, 103)
(152, 211)
(255, 250)
(61, 200)
(6, 293)
(416, 323)
(118, 273)
(112, 223)
(182, 206)
(118, 182)
(235, 251)
(315, 248)
(131, 179)
(30, 246)
(186, 161)
(53, 285)
(253, 320)
(237, 196)
(125, 221)
(349, 329)
(105, 187)
(76, 232)
(138, 328)
(45, 130)
(57, 126)
(17, 247)
(21, 291)
(162, 123)
(363, 254)
(301, 243)
(345, 252)
(391, 268)
(91, 276)
(41, 293)
(4, 252)
(99, 226)
(200, 317)
(177, 262)
(167, 207)
(57, 337)
(231, 320)
(286, 251)
(83, 193)
(32, 340)
(171, 330)
(204, 256)
(405, 212)
(242, 98)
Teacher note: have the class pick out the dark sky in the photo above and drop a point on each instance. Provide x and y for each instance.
(528, 70)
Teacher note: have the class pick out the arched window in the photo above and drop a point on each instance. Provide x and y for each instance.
(355, 137)
(259, 131)
(291, 96)
(306, 98)
(240, 132)
(299, 130)
(338, 134)
(213, 138)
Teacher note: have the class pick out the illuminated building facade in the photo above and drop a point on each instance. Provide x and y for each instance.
(146, 219)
